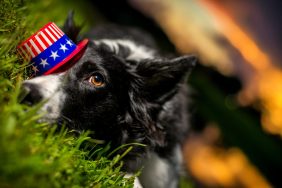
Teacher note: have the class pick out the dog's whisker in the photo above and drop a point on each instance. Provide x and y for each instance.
(66, 118)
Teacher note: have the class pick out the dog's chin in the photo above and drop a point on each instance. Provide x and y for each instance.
(50, 121)
(60, 122)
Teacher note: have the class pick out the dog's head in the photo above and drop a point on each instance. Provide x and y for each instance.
(116, 95)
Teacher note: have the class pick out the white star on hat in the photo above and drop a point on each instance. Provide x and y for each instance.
(34, 68)
(44, 62)
(54, 55)
(63, 47)
(69, 42)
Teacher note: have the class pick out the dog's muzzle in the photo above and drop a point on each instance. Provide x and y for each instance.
(30, 94)
(47, 89)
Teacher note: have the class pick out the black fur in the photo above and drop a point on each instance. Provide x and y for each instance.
(142, 100)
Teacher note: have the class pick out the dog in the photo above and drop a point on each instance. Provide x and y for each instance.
(124, 91)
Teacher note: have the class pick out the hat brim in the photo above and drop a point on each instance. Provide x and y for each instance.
(58, 68)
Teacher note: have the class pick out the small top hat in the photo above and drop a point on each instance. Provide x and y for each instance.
(50, 50)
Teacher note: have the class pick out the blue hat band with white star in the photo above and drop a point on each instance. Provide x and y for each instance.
(50, 51)
(53, 55)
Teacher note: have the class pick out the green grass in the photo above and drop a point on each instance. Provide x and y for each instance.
(40, 155)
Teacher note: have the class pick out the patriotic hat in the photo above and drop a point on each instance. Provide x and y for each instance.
(50, 50)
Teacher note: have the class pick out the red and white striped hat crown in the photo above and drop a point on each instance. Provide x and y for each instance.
(50, 50)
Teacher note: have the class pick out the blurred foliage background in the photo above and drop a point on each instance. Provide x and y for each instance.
(236, 88)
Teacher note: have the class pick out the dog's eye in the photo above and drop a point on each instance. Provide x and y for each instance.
(97, 80)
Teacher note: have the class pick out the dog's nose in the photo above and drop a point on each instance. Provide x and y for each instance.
(30, 94)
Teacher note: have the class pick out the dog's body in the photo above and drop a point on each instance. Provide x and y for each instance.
(136, 97)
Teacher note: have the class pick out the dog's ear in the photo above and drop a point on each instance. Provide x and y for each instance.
(161, 78)
(70, 28)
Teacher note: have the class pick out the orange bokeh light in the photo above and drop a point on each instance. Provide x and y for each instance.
(218, 167)
(265, 85)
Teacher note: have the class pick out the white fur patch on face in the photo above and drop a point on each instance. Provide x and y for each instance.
(50, 89)
(137, 52)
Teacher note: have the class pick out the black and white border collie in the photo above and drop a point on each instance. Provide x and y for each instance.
(125, 92)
